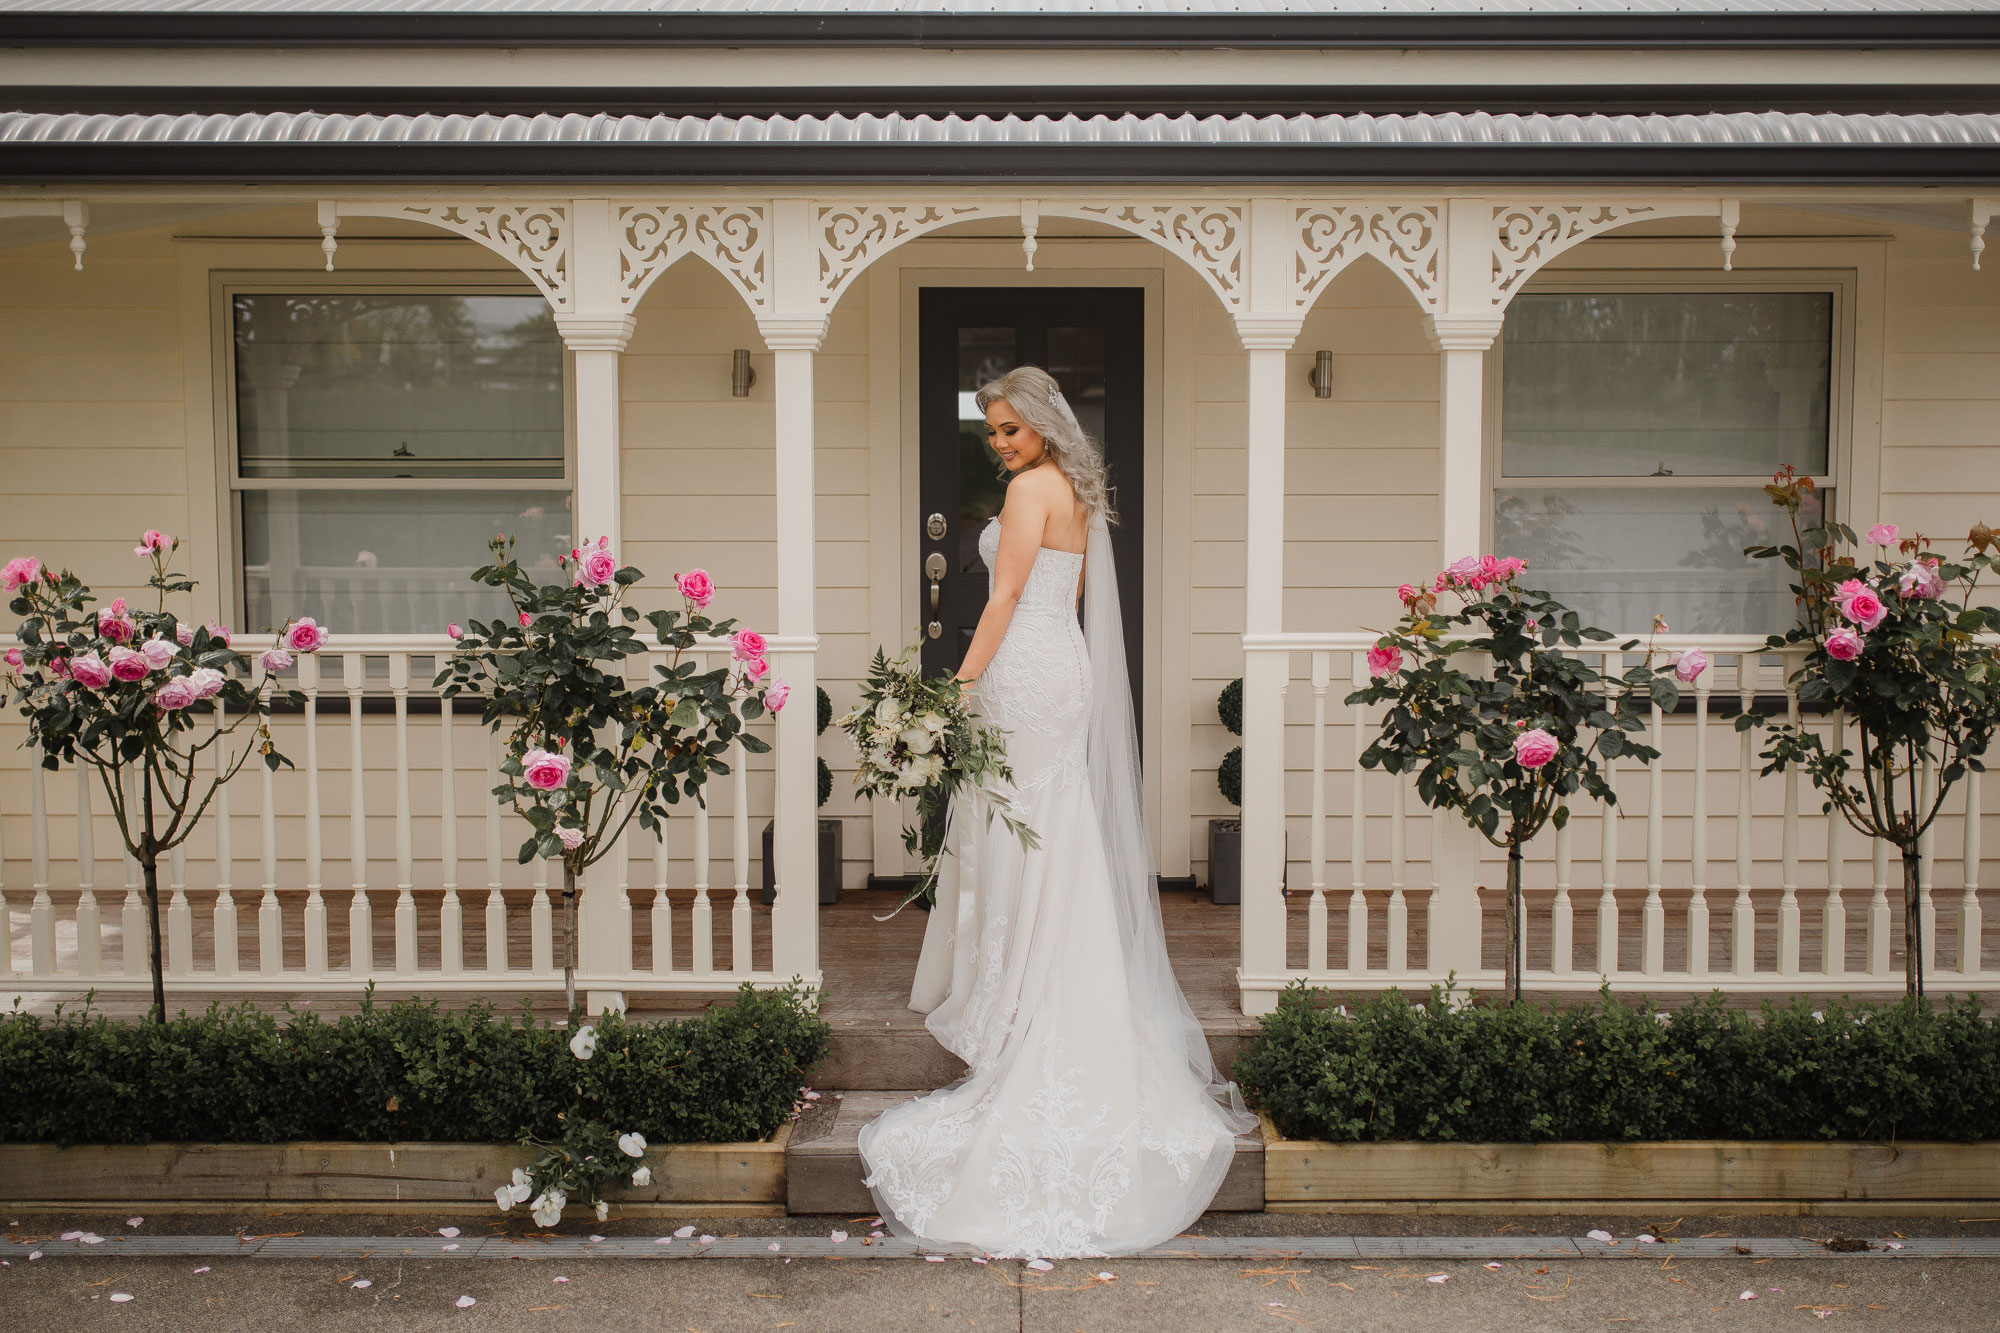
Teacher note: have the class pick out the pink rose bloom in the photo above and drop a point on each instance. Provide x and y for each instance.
(128, 664)
(157, 652)
(571, 838)
(367, 559)
(176, 694)
(524, 620)
(276, 659)
(21, 571)
(1381, 661)
(1690, 664)
(89, 670)
(1843, 645)
(1532, 749)
(545, 770)
(207, 682)
(304, 635)
(14, 658)
(596, 569)
(453, 631)
(184, 634)
(220, 633)
(1406, 594)
(1862, 606)
(1920, 582)
(775, 696)
(1464, 567)
(1883, 534)
(697, 587)
(748, 645)
(756, 669)
(117, 626)
(153, 542)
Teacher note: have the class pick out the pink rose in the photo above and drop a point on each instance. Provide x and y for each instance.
(755, 670)
(89, 670)
(697, 587)
(220, 633)
(1863, 607)
(1532, 749)
(14, 658)
(157, 652)
(21, 571)
(597, 569)
(571, 838)
(748, 645)
(1690, 664)
(1920, 582)
(128, 664)
(775, 696)
(207, 682)
(452, 631)
(1406, 594)
(116, 626)
(276, 659)
(1383, 660)
(545, 770)
(1463, 568)
(304, 635)
(176, 694)
(183, 634)
(524, 620)
(1843, 645)
(367, 559)
(153, 543)
(1883, 534)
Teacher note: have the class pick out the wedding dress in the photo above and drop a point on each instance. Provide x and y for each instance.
(1092, 1121)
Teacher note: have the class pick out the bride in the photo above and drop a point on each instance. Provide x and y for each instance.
(1092, 1121)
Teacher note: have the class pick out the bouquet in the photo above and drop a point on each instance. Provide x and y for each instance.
(914, 736)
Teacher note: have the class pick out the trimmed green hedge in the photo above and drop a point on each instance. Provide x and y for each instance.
(404, 1071)
(1606, 1070)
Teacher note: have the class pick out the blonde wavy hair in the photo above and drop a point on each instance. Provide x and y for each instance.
(1036, 397)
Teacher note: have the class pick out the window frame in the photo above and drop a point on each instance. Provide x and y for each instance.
(234, 485)
(1840, 284)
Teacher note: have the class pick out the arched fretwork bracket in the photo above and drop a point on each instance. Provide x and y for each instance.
(1525, 237)
(850, 235)
(533, 236)
(1407, 238)
(735, 239)
(1212, 237)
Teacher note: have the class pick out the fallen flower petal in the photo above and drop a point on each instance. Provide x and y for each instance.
(838, 1236)
(1439, 1278)
(135, 1221)
(708, 1240)
(773, 1246)
(1747, 1296)
(466, 1302)
(933, 1258)
(562, 1279)
(1040, 1265)
(450, 1247)
(91, 1238)
(35, 1255)
(72, 1235)
(664, 1240)
(683, 1232)
(1106, 1277)
(1601, 1236)
(202, 1269)
(121, 1296)
(447, 1231)
(363, 1282)
(1496, 1264)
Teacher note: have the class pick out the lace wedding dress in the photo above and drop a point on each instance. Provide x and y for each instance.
(1092, 1121)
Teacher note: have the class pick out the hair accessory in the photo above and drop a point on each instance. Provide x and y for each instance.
(1061, 404)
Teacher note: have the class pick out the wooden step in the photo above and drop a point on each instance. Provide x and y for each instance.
(823, 1160)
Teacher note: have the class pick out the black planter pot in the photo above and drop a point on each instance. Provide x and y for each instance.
(829, 862)
(1225, 861)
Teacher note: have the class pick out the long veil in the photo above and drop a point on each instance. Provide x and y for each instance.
(1114, 787)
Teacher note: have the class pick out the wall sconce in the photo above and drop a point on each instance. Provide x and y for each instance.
(1321, 375)
(741, 373)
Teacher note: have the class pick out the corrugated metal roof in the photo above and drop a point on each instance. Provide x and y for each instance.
(1743, 128)
(1005, 7)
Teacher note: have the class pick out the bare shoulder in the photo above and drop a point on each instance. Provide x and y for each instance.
(1045, 486)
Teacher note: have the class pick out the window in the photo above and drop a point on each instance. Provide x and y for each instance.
(382, 439)
(1636, 430)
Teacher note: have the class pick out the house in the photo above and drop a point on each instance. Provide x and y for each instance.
(1350, 288)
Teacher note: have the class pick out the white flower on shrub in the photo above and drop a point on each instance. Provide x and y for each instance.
(603, 1210)
(515, 1191)
(548, 1207)
(632, 1145)
(584, 1044)
(642, 1177)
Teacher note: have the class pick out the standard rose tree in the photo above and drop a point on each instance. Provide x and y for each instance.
(141, 696)
(1496, 721)
(589, 752)
(1886, 647)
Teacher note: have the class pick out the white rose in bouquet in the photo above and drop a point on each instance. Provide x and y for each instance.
(918, 740)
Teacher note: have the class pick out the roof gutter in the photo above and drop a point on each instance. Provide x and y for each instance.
(373, 28)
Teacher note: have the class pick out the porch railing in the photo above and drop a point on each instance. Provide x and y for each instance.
(383, 857)
(1709, 875)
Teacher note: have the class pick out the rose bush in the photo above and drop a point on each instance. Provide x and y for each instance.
(1495, 720)
(588, 752)
(142, 717)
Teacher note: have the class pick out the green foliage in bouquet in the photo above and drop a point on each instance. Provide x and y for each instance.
(914, 736)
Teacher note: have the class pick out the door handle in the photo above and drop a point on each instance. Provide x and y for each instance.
(934, 570)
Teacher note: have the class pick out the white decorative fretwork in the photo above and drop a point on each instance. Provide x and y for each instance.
(853, 234)
(532, 236)
(1527, 236)
(1407, 238)
(734, 237)
(1210, 237)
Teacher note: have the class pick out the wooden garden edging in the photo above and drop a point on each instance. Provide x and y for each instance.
(736, 1177)
(1307, 1176)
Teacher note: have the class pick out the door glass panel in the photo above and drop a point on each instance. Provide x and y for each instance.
(1076, 359)
(984, 355)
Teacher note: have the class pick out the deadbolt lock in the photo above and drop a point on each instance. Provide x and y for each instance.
(934, 527)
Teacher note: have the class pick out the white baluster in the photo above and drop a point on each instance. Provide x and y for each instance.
(89, 923)
(541, 924)
(1607, 869)
(315, 914)
(1562, 912)
(180, 916)
(1697, 923)
(702, 915)
(6, 909)
(1398, 959)
(1971, 925)
(1788, 901)
(41, 911)
(1927, 865)
(1743, 918)
(360, 919)
(134, 918)
(1316, 930)
(496, 901)
(739, 915)
(663, 908)
(451, 917)
(1357, 826)
(86, 832)
(1653, 922)
(406, 898)
(1878, 914)
(225, 900)
(1833, 917)
(270, 916)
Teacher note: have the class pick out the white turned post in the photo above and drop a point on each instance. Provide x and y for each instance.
(1653, 922)
(137, 944)
(1316, 906)
(1743, 913)
(41, 909)
(270, 916)
(315, 913)
(89, 923)
(406, 898)
(496, 900)
(451, 916)
(1697, 920)
(225, 899)
(1357, 824)
(1833, 915)
(1971, 924)
(1788, 842)
(360, 916)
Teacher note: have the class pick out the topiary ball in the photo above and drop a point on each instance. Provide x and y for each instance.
(825, 779)
(1229, 704)
(825, 717)
(1229, 777)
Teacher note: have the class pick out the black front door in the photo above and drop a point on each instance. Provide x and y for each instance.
(1092, 340)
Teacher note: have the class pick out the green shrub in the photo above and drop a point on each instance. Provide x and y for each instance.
(405, 1071)
(1607, 1070)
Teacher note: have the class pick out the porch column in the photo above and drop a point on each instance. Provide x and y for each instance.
(1462, 331)
(793, 333)
(595, 331)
